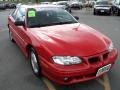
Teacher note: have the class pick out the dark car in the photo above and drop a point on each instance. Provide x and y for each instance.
(103, 7)
(75, 4)
(116, 7)
(12, 6)
(7, 5)
(64, 4)
(2, 6)
(45, 3)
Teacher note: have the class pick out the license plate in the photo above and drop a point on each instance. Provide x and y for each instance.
(103, 69)
(102, 10)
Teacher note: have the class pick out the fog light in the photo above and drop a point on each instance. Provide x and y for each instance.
(65, 79)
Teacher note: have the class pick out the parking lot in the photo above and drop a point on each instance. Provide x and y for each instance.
(15, 70)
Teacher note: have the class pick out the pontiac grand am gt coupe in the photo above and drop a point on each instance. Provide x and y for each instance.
(58, 46)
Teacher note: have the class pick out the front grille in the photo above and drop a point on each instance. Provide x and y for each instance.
(94, 60)
(98, 58)
(105, 56)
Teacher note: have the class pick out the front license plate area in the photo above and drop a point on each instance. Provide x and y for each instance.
(102, 10)
(103, 69)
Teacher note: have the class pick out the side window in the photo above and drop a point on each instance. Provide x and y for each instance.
(117, 2)
(14, 13)
(22, 10)
(19, 14)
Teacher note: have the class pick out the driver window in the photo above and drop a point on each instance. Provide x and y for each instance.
(20, 15)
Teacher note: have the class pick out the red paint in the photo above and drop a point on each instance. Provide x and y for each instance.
(65, 40)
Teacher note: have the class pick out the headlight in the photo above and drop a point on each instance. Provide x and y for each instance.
(111, 47)
(106, 8)
(66, 60)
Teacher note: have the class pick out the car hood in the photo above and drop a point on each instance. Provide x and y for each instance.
(102, 5)
(74, 2)
(71, 39)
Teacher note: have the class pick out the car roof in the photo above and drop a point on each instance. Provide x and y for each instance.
(40, 6)
(62, 1)
(102, 1)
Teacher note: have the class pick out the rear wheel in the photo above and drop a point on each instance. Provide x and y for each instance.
(34, 63)
(109, 13)
(118, 12)
(94, 12)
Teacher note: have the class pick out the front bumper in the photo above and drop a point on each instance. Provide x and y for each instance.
(67, 75)
(102, 11)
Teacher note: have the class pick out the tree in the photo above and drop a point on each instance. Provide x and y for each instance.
(36, 1)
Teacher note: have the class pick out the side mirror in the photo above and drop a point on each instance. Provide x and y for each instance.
(76, 17)
(19, 23)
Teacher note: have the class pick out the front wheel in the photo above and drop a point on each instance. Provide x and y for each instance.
(34, 63)
(10, 36)
(109, 13)
(94, 12)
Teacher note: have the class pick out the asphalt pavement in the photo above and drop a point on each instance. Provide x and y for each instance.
(15, 70)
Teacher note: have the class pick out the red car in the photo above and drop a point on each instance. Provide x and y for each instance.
(58, 46)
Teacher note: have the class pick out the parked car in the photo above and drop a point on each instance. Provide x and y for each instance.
(103, 7)
(116, 7)
(12, 5)
(89, 3)
(58, 46)
(7, 5)
(2, 6)
(45, 3)
(64, 4)
(75, 4)
(18, 5)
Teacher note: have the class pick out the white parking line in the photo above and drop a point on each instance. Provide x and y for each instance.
(49, 85)
(105, 82)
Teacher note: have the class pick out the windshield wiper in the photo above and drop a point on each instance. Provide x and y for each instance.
(66, 22)
(50, 24)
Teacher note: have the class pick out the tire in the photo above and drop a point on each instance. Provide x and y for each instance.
(70, 11)
(94, 13)
(118, 12)
(112, 10)
(34, 63)
(11, 37)
(80, 7)
(109, 13)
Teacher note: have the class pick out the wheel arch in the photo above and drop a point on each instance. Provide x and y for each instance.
(28, 47)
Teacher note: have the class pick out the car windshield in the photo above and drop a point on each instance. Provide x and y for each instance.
(74, 0)
(102, 3)
(48, 17)
(62, 3)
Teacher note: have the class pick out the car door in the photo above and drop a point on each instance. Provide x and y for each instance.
(11, 25)
(20, 32)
